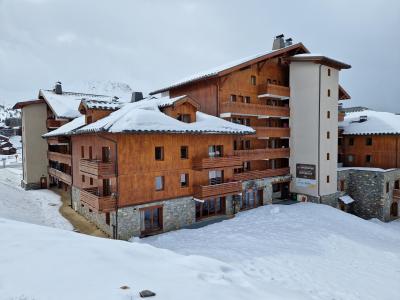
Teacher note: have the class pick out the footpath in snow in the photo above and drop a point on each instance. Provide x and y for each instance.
(36, 206)
(306, 248)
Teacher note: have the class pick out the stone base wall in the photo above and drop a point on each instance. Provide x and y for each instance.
(331, 199)
(177, 213)
(30, 186)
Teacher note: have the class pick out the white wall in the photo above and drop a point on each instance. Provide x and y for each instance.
(309, 104)
(34, 146)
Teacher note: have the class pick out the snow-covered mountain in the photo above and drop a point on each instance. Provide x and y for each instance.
(8, 112)
(112, 88)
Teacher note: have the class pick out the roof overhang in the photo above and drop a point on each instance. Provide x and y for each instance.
(22, 104)
(320, 59)
(343, 95)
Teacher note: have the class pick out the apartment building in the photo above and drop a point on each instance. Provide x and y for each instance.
(151, 166)
(290, 97)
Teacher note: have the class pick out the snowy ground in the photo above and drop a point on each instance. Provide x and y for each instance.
(38, 207)
(308, 249)
(14, 159)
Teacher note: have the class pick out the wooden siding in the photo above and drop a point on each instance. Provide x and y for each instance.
(53, 123)
(91, 198)
(97, 168)
(60, 157)
(261, 174)
(265, 132)
(237, 108)
(260, 154)
(384, 151)
(216, 162)
(217, 190)
(273, 90)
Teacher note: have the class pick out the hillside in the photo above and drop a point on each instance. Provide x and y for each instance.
(8, 112)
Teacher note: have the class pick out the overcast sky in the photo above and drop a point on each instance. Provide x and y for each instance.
(151, 43)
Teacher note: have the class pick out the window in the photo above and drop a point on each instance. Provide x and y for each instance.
(329, 72)
(247, 99)
(245, 144)
(253, 80)
(89, 119)
(150, 219)
(241, 98)
(397, 184)
(328, 114)
(328, 156)
(159, 183)
(341, 185)
(108, 218)
(90, 152)
(351, 141)
(159, 153)
(327, 179)
(368, 141)
(246, 165)
(106, 187)
(329, 92)
(91, 180)
(234, 145)
(105, 154)
(233, 98)
(215, 151)
(184, 180)
(82, 151)
(387, 187)
(328, 135)
(184, 118)
(215, 177)
(368, 158)
(350, 158)
(184, 152)
(339, 141)
(209, 208)
(83, 178)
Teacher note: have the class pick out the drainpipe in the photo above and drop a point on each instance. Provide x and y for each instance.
(115, 235)
(72, 168)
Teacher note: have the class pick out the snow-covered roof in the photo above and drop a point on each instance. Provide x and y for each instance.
(146, 116)
(346, 199)
(66, 105)
(364, 169)
(321, 59)
(377, 122)
(68, 128)
(101, 104)
(215, 71)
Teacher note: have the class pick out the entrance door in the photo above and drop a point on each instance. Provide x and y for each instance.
(106, 187)
(394, 209)
(105, 154)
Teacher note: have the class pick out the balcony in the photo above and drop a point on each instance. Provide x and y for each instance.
(341, 115)
(260, 154)
(61, 176)
(216, 162)
(261, 174)
(396, 193)
(53, 123)
(274, 132)
(97, 168)
(58, 140)
(269, 90)
(60, 157)
(217, 190)
(97, 203)
(250, 109)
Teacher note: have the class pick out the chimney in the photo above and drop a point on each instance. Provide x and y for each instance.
(279, 42)
(58, 88)
(137, 96)
(288, 42)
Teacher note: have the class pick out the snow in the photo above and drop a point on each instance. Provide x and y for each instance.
(364, 169)
(314, 250)
(145, 116)
(67, 128)
(346, 199)
(377, 123)
(216, 70)
(43, 263)
(35, 206)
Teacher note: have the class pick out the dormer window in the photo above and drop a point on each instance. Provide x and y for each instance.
(184, 118)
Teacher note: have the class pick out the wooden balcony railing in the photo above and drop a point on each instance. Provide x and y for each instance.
(60, 157)
(64, 177)
(396, 193)
(91, 198)
(239, 108)
(273, 91)
(217, 190)
(259, 154)
(264, 132)
(216, 162)
(58, 140)
(261, 174)
(97, 168)
(53, 123)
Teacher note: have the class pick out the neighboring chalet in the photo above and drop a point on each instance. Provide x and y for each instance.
(151, 166)
(369, 148)
(43, 161)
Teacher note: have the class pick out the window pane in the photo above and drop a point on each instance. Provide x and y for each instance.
(159, 183)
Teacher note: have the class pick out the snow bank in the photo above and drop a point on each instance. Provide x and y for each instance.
(306, 248)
